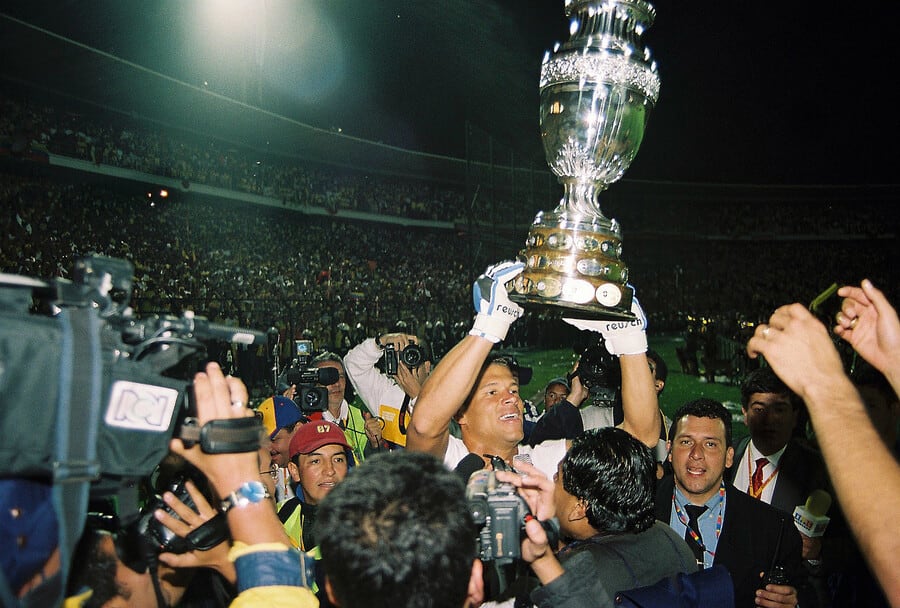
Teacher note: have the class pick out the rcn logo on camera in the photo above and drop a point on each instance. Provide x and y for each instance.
(141, 407)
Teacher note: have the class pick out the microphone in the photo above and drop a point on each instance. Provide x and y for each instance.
(468, 465)
(810, 518)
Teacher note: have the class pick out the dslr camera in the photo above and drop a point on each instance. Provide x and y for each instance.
(412, 357)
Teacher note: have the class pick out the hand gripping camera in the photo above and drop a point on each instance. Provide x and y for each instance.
(412, 357)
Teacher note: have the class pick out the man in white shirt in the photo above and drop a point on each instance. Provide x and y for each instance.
(390, 397)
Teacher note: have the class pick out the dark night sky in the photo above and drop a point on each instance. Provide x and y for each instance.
(794, 92)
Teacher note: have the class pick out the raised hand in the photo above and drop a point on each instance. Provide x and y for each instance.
(496, 312)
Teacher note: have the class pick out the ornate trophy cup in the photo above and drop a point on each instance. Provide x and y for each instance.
(597, 90)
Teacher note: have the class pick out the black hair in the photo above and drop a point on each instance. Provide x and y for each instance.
(614, 474)
(397, 533)
(662, 370)
(703, 408)
(764, 380)
(93, 568)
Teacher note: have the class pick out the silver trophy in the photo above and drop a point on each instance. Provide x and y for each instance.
(597, 91)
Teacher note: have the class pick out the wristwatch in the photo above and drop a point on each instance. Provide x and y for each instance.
(250, 492)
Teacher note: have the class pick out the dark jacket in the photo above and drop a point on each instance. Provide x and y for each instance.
(800, 471)
(748, 541)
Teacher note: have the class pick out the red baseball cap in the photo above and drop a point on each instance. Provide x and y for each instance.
(313, 435)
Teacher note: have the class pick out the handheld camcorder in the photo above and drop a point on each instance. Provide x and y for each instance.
(412, 357)
(500, 513)
(311, 395)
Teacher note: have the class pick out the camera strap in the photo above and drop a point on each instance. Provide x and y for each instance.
(404, 414)
(226, 436)
(78, 417)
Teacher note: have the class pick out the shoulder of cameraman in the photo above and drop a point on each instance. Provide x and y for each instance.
(562, 421)
(362, 357)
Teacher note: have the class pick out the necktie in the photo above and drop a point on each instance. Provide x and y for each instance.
(756, 482)
(696, 544)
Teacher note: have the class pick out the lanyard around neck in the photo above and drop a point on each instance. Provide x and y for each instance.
(720, 505)
(762, 486)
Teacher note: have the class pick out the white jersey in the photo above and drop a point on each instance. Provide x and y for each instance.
(545, 455)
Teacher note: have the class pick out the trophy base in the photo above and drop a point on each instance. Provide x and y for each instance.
(570, 310)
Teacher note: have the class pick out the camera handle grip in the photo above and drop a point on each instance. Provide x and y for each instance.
(228, 436)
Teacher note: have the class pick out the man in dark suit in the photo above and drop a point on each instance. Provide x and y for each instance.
(791, 470)
(774, 466)
(724, 526)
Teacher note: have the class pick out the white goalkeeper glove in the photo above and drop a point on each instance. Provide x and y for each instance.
(621, 337)
(496, 311)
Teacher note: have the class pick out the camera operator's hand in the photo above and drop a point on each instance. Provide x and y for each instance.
(400, 341)
(622, 337)
(215, 558)
(537, 490)
(411, 380)
(290, 392)
(374, 428)
(535, 487)
(496, 312)
(217, 397)
(578, 392)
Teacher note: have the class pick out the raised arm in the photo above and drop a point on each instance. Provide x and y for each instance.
(628, 340)
(798, 348)
(443, 394)
(451, 381)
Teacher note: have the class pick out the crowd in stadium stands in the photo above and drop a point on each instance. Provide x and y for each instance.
(273, 266)
(128, 144)
(258, 267)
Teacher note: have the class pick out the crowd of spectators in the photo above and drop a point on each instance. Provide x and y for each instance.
(130, 144)
(728, 266)
(237, 264)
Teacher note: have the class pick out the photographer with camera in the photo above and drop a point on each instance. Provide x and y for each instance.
(362, 434)
(390, 395)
